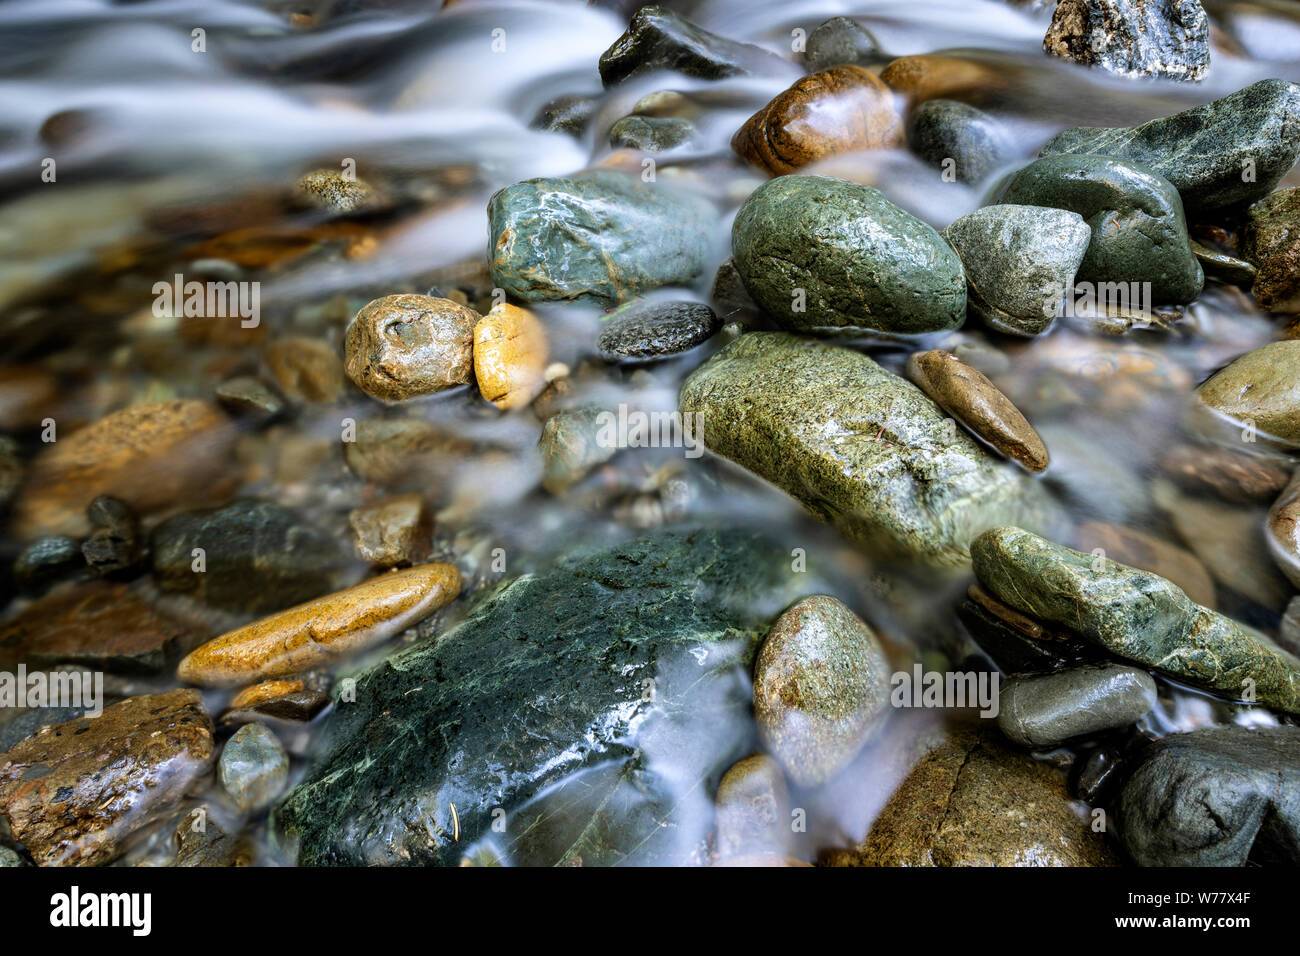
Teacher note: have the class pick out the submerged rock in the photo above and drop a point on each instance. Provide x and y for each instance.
(1139, 233)
(1207, 151)
(943, 131)
(650, 134)
(253, 768)
(1049, 709)
(753, 809)
(823, 254)
(1135, 615)
(1020, 263)
(604, 696)
(838, 41)
(1216, 797)
(860, 447)
(600, 234)
(1271, 242)
(1282, 531)
(1163, 38)
(1260, 391)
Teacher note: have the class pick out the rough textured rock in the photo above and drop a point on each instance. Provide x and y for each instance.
(1205, 151)
(1164, 38)
(658, 39)
(1215, 797)
(1135, 615)
(330, 190)
(821, 685)
(969, 397)
(650, 134)
(510, 355)
(943, 130)
(1149, 553)
(291, 560)
(404, 346)
(96, 624)
(823, 254)
(253, 768)
(753, 809)
(839, 110)
(151, 456)
(1020, 263)
(74, 792)
(1282, 532)
(838, 41)
(973, 801)
(114, 543)
(566, 114)
(1271, 241)
(646, 331)
(322, 631)
(393, 531)
(605, 694)
(1049, 709)
(860, 447)
(1139, 232)
(1260, 389)
(600, 234)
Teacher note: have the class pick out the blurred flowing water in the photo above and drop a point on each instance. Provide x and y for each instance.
(159, 148)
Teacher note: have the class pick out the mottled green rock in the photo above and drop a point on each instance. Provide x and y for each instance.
(1135, 615)
(975, 142)
(837, 41)
(821, 686)
(1139, 233)
(824, 254)
(1048, 709)
(1271, 241)
(605, 696)
(650, 134)
(602, 234)
(9, 858)
(1260, 388)
(1020, 262)
(1206, 150)
(1215, 797)
(858, 446)
(658, 39)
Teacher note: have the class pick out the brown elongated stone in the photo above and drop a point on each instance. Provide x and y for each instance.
(267, 690)
(321, 631)
(839, 110)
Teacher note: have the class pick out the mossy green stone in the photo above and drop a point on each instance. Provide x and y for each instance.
(602, 235)
(606, 694)
(825, 255)
(1139, 232)
(858, 446)
(1136, 615)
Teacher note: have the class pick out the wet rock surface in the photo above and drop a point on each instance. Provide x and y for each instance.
(1162, 38)
(1047, 710)
(405, 346)
(646, 331)
(958, 138)
(659, 39)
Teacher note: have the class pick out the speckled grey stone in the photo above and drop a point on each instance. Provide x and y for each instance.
(1204, 151)
(823, 255)
(942, 130)
(646, 331)
(1135, 615)
(1048, 709)
(839, 40)
(860, 447)
(1164, 38)
(1139, 233)
(1020, 262)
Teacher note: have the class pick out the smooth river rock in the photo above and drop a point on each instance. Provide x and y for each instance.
(821, 685)
(940, 131)
(1206, 151)
(1215, 797)
(322, 631)
(858, 446)
(605, 695)
(253, 768)
(1282, 531)
(1260, 390)
(648, 331)
(1135, 615)
(1020, 263)
(1048, 709)
(1160, 38)
(510, 356)
(823, 254)
(838, 41)
(1139, 232)
(600, 234)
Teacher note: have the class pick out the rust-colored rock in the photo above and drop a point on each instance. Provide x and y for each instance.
(322, 631)
(510, 355)
(75, 791)
(929, 76)
(840, 110)
(393, 531)
(267, 690)
(151, 456)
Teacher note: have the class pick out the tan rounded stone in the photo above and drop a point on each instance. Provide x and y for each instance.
(1260, 390)
(510, 355)
(306, 369)
(840, 110)
(1283, 531)
(753, 815)
(320, 632)
(404, 346)
(928, 76)
(392, 531)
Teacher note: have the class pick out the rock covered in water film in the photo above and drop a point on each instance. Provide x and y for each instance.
(1048, 709)
(858, 446)
(1260, 391)
(253, 767)
(659, 39)
(839, 110)
(650, 134)
(1271, 242)
(602, 235)
(1225, 153)
(1163, 38)
(589, 708)
(947, 130)
(822, 254)
(838, 41)
(647, 331)
(405, 346)
(510, 353)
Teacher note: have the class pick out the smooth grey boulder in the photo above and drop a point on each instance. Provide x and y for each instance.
(837, 41)
(1048, 709)
(948, 130)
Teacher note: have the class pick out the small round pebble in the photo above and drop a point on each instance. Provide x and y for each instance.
(405, 346)
(253, 768)
(647, 331)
